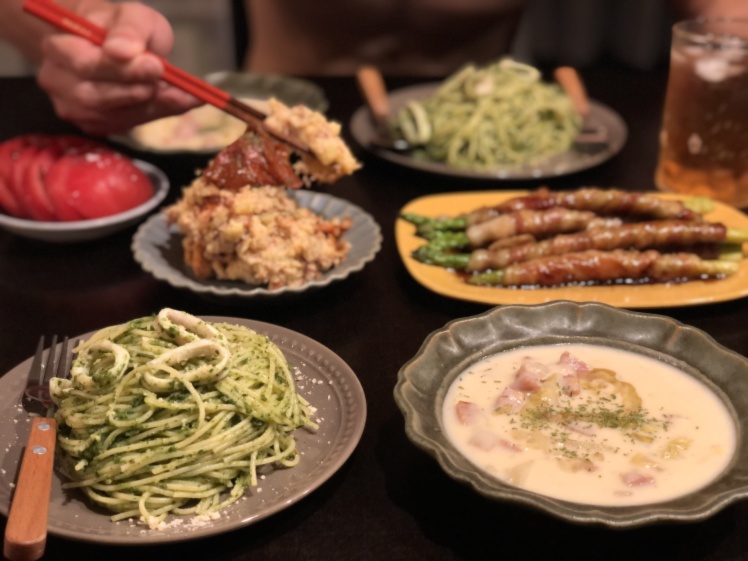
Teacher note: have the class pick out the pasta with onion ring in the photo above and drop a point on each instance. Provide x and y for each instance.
(170, 414)
(484, 118)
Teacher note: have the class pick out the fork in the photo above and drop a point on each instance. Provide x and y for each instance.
(26, 530)
(371, 84)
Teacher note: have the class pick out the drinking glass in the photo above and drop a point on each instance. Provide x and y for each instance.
(704, 135)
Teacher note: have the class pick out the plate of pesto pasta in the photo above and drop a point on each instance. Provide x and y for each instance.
(174, 427)
(502, 121)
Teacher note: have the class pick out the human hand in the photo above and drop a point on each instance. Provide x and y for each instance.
(114, 87)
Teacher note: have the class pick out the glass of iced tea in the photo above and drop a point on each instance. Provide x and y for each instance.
(704, 136)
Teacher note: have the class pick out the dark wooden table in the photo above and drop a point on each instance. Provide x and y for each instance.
(390, 500)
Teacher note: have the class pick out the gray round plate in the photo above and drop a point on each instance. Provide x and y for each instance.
(323, 378)
(423, 382)
(579, 158)
(158, 249)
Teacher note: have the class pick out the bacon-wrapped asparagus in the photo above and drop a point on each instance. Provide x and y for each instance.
(637, 235)
(600, 201)
(437, 256)
(606, 266)
(539, 223)
(605, 202)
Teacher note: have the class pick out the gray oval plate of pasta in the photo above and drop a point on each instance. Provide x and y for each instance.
(322, 378)
(602, 121)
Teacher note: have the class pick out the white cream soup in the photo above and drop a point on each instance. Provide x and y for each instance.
(589, 424)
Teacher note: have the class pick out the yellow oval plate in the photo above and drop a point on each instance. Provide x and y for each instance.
(445, 282)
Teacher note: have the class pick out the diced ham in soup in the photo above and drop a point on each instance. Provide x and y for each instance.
(589, 424)
(468, 413)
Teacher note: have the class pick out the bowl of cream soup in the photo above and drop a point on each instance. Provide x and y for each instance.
(588, 412)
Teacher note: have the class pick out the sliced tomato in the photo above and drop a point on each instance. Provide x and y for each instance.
(8, 201)
(67, 177)
(108, 183)
(72, 143)
(10, 152)
(18, 177)
(96, 183)
(36, 198)
(57, 182)
(22, 155)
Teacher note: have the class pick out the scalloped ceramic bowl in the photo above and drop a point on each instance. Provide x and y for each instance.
(157, 246)
(423, 382)
(84, 230)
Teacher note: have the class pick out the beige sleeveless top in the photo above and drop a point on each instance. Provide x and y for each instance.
(415, 37)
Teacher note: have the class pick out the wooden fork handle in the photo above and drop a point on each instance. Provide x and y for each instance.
(26, 531)
(373, 89)
(568, 78)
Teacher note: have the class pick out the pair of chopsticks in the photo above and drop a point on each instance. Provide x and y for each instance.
(65, 20)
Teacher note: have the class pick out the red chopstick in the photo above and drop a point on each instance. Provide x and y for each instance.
(65, 20)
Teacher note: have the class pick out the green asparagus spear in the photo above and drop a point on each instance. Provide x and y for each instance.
(431, 255)
(444, 239)
(736, 235)
(430, 224)
(700, 205)
(488, 278)
(730, 252)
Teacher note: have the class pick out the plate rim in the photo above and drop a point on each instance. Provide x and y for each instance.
(454, 338)
(445, 283)
(361, 130)
(290, 341)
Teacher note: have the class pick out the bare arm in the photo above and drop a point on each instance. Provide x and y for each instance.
(21, 30)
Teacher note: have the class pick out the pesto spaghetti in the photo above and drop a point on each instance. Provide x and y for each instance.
(485, 118)
(169, 414)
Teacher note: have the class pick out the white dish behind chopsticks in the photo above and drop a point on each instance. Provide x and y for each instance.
(218, 128)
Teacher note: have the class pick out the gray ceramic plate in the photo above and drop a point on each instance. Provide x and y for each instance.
(423, 382)
(158, 249)
(577, 159)
(291, 91)
(83, 230)
(324, 379)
